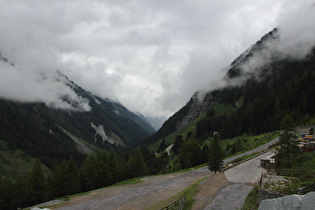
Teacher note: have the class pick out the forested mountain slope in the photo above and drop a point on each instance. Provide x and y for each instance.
(261, 89)
(40, 130)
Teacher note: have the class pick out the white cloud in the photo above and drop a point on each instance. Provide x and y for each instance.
(29, 87)
(295, 37)
(150, 55)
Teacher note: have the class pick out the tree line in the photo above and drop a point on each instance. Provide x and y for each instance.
(100, 169)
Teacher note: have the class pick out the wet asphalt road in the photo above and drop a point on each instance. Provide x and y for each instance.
(230, 197)
(242, 178)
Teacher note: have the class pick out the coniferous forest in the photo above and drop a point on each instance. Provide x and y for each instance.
(99, 169)
(288, 89)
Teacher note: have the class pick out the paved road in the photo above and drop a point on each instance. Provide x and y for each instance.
(242, 178)
(248, 172)
(258, 149)
(169, 148)
(230, 197)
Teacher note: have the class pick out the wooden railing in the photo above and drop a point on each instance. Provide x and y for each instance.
(304, 190)
(179, 204)
(291, 172)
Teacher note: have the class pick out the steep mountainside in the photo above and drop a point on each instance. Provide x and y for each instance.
(107, 122)
(49, 133)
(262, 89)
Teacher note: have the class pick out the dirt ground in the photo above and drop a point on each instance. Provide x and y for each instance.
(209, 189)
(136, 196)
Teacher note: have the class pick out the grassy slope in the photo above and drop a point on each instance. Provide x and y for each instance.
(85, 142)
(191, 127)
(223, 108)
(250, 142)
(16, 162)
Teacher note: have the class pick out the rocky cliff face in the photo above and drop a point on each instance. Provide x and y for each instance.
(99, 130)
(197, 108)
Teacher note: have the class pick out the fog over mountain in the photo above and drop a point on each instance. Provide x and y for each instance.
(149, 55)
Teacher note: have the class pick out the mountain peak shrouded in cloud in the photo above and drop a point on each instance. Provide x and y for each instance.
(53, 89)
(149, 55)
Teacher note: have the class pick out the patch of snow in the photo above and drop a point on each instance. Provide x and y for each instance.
(100, 131)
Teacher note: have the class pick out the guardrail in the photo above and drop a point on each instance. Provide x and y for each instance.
(179, 204)
(288, 172)
(304, 190)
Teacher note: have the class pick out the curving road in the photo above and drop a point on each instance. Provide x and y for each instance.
(258, 149)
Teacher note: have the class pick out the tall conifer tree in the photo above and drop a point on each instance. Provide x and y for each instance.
(287, 140)
(37, 183)
(216, 155)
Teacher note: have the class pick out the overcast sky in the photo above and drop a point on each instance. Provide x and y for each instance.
(150, 55)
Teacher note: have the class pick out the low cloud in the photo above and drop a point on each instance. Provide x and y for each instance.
(293, 39)
(149, 55)
(28, 87)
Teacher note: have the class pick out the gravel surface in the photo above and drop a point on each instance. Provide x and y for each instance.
(137, 196)
(208, 190)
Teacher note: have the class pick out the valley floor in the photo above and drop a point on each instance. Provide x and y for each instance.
(136, 196)
(158, 188)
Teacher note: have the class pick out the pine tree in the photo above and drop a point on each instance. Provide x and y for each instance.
(177, 144)
(89, 173)
(114, 167)
(162, 145)
(137, 166)
(104, 170)
(72, 180)
(7, 193)
(287, 140)
(20, 191)
(216, 155)
(57, 186)
(37, 183)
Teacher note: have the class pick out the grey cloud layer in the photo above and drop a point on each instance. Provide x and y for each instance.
(150, 55)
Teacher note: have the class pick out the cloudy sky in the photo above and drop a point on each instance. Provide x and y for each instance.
(150, 55)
